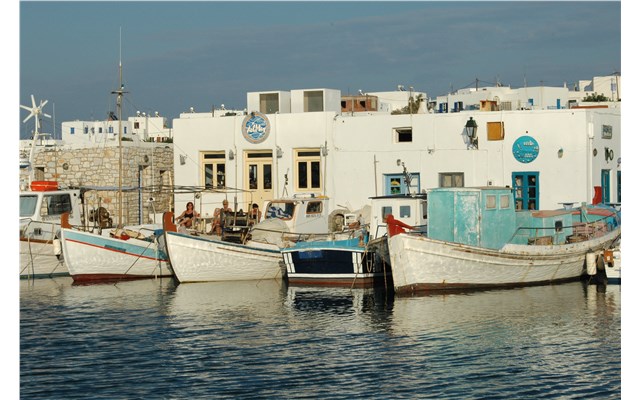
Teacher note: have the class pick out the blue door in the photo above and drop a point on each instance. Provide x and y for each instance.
(526, 190)
(619, 189)
(606, 184)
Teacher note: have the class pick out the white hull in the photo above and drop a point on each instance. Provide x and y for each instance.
(419, 263)
(91, 257)
(38, 260)
(204, 259)
(613, 271)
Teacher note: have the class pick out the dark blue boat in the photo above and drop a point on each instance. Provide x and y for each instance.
(344, 262)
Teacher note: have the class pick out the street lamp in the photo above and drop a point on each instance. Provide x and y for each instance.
(471, 129)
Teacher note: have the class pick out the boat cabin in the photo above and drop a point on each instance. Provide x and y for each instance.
(486, 217)
(306, 213)
(482, 216)
(410, 209)
(43, 205)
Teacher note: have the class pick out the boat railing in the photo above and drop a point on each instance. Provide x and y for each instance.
(345, 234)
(294, 237)
(578, 231)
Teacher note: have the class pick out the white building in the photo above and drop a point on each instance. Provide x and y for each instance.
(141, 128)
(298, 141)
(505, 98)
(608, 86)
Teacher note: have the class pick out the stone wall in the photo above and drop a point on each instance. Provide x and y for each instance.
(147, 173)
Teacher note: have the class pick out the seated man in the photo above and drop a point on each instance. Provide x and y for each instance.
(255, 215)
(218, 218)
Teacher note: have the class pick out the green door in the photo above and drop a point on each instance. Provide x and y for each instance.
(466, 228)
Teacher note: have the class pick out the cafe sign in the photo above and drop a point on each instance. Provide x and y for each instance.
(255, 127)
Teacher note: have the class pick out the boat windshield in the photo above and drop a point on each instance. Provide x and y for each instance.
(28, 205)
(57, 204)
(280, 210)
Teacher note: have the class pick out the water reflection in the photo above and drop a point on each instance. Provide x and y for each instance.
(157, 339)
(198, 303)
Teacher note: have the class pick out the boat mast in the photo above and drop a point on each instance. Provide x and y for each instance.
(120, 92)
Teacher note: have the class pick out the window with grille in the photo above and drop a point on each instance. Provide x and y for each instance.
(213, 169)
(451, 179)
(308, 174)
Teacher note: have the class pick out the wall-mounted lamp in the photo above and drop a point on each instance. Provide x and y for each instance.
(608, 154)
(278, 152)
(471, 129)
(231, 155)
(183, 159)
(560, 153)
(595, 152)
(398, 162)
(324, 150)
(146, 158)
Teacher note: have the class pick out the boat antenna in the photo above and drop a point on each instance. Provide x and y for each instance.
(407, 178)
(286, 182)
(35, 111)
(120, 92)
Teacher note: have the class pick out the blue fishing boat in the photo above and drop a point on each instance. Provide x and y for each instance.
(340, 259)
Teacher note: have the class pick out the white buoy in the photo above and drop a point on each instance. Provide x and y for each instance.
(591, 263)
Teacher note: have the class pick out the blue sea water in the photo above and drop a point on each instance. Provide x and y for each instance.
(155, 339)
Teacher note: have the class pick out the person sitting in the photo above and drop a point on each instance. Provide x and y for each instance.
(186, 218)
(255, 215)
(218, 218)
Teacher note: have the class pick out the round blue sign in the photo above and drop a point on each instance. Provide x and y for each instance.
(525, 149)
(255, 127)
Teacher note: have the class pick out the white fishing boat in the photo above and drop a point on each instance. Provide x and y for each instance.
(613, 266)
(131, 252)
(40, 211)
(117, 254)
(474, 238)
(206, 259)
(244, 250)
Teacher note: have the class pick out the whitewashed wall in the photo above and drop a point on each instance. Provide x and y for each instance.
(438, 146)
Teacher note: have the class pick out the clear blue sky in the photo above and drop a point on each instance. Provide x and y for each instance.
(177, 55)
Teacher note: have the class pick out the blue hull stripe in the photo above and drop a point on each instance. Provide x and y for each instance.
(121, 246)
